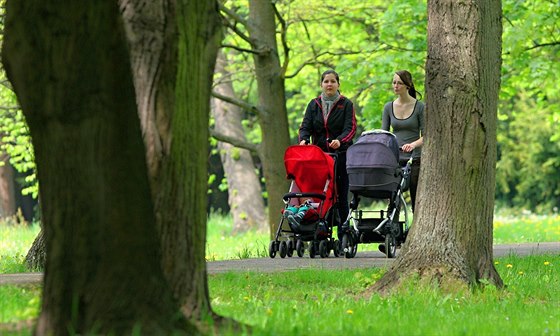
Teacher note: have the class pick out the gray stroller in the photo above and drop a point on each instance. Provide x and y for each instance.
(374, 172)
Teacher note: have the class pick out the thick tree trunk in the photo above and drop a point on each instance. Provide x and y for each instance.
(7, 190)
(186, 171)
(173, 50)
(272, 105)
(244, 189)
(103, 271)
(451, 239)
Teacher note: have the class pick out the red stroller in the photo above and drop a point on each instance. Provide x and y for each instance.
(312, 174)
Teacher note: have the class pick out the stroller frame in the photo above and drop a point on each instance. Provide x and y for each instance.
(378, 226)
(318, 234)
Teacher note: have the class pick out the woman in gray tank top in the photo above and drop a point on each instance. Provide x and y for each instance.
(405, 118)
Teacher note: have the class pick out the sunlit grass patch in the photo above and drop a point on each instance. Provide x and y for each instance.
(323, 302)
(526, 228)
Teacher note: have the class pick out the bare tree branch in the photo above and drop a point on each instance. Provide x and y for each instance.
(542, 45)
(227, 13)
(283, 33)
(240, 49)
(10, 108)
(234, 141)
(537, 45)
(237, 102)
(316, 60)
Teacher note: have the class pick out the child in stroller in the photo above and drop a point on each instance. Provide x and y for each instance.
(310, 205)
(296, 213)
(374, 172)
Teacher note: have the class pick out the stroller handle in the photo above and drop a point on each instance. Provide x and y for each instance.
(409, 161)
(299, 194)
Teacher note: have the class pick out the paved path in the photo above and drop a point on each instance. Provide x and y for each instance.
(364, 259)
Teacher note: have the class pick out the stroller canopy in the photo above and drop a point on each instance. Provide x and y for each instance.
(374, 149)
(312, 170)
(373, 165)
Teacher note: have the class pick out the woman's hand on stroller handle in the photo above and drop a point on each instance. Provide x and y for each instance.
(407, 148)
(409, 161)
(333, 143)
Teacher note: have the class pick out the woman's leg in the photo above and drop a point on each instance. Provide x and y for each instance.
(414, 174)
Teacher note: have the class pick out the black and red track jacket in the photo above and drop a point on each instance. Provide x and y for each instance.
(340, 124)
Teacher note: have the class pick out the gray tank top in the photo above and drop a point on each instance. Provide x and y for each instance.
(406, 130)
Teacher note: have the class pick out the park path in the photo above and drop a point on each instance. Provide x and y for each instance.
(362, 260)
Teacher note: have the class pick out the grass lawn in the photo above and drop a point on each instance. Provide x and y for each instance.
(320, 302)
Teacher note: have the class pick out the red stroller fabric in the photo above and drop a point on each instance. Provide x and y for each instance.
(312, 170)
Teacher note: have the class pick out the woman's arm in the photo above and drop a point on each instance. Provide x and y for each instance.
(386, 117)
(305, 128)
(349, 129)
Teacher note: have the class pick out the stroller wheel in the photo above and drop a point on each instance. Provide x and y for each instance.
(272, 249)
(291, 248)
(348, 247)
(300, 249)
(283, 249)
(312, 249)
(324, 249)
(336, 248)
(390, 245)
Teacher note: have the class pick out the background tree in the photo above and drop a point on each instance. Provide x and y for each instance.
(450, 242)
(102, 271)
(260, 36)
(244, 190)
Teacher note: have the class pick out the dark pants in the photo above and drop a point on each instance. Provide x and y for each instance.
(342, 186)
(413, 183)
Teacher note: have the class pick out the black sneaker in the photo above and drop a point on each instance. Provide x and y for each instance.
(381, 248)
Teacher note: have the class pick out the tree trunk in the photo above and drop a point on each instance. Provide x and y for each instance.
(36, 257)
(272, 105)
(7, 190)
(451, 239)
(244, 189)
(182, 201)
(102, 272)
(173, 51)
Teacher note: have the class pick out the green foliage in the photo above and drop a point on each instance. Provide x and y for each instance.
(367, 41)
(527, 172)
(16, 142)
(529, 111)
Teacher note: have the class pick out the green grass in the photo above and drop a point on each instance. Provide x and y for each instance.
(15, 240)
(319, 302)
(528, 228)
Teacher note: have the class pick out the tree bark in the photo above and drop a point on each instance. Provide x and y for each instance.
(7, 190)
(244, 189)
(173, 51)
(184, 179)
(451, 239)
(271, 105)
(102, 272)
